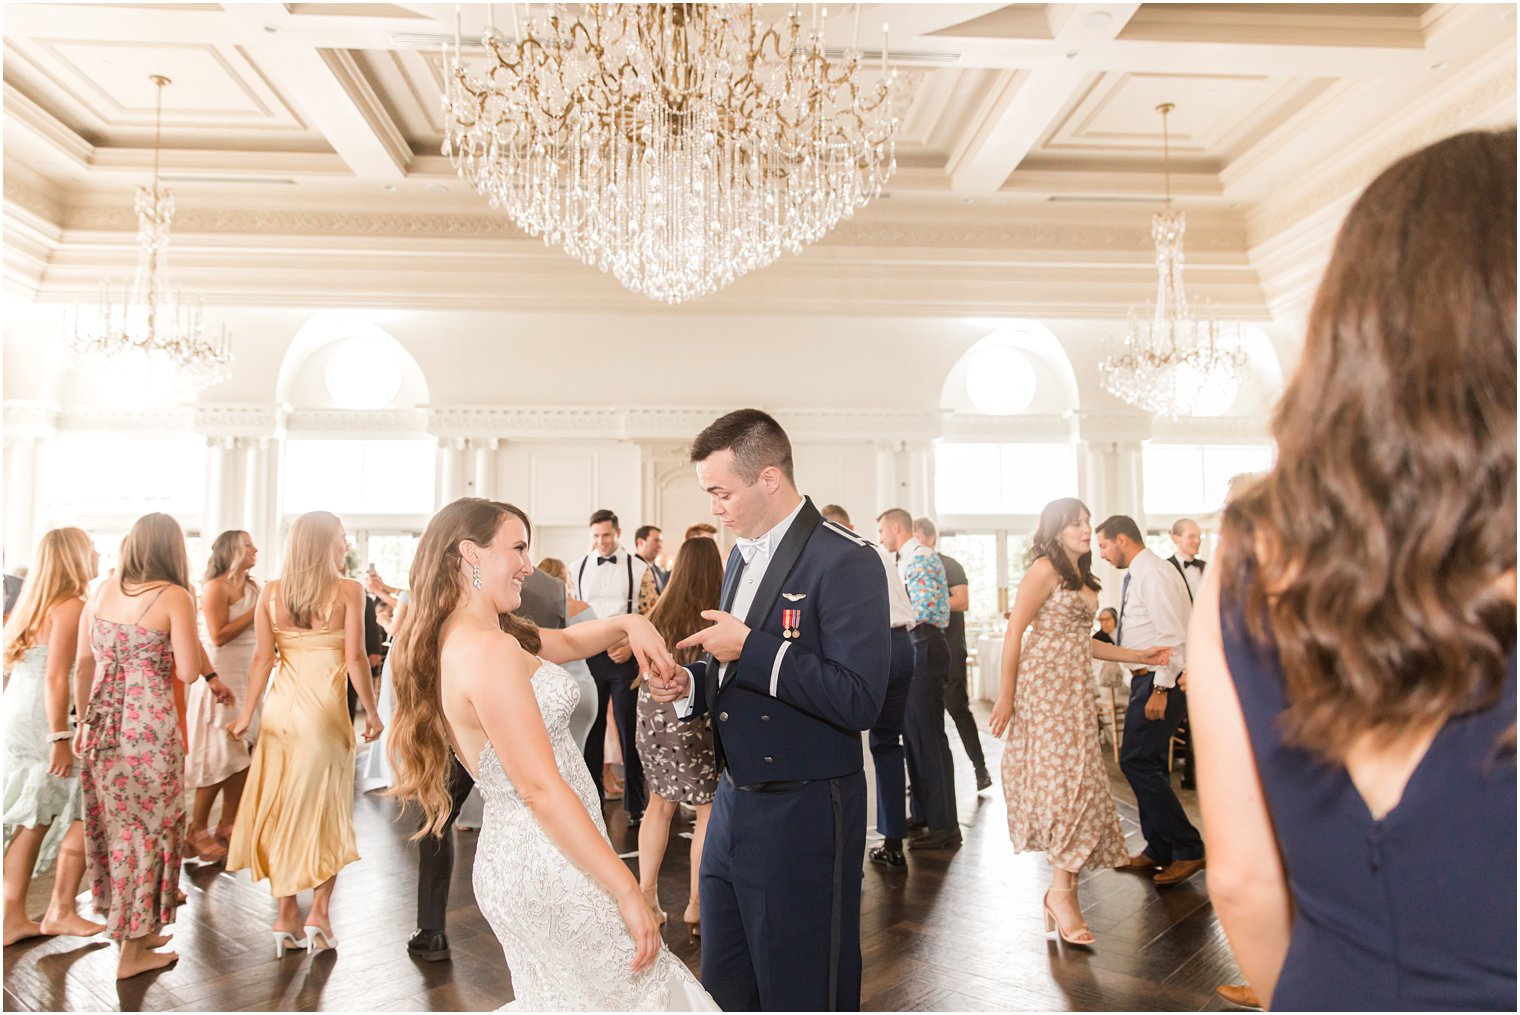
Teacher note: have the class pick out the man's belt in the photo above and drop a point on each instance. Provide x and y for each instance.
(779, 786)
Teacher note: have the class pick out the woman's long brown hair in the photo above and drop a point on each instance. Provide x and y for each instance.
(1054, 517)
(419, 742)
(696, 584)
(1370, 556)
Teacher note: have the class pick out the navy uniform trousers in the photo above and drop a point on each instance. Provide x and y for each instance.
(887, 742)
(930, 765)
(1169, 835)
(779, 852)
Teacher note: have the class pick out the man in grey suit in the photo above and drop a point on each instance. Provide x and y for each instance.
(543, 602)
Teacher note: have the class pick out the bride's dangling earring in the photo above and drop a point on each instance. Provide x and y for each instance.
(475, 577)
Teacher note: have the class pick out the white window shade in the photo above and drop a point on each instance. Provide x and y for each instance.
(92, 477)
(1194, 479)
(1002, 479)
(393, 477)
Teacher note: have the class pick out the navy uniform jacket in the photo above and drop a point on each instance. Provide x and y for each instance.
(830, 679)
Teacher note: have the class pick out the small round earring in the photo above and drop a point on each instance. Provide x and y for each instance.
(475, 576)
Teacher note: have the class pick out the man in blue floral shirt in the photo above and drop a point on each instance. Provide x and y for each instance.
(930, 767)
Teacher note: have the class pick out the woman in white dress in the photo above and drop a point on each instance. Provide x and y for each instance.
(376, 773)
(215, 763)
(575, 928)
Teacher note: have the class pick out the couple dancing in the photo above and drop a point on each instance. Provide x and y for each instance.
(794, 667)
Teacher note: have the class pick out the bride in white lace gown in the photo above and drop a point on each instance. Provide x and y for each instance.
(572, 922)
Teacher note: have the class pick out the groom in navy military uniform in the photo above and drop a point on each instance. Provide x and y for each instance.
(796, 668)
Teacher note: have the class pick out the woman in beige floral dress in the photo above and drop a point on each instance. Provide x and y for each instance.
(1053, 776)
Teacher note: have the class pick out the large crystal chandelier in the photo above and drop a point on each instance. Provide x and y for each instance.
(676, 146)
(150, 336)
(1177, 360)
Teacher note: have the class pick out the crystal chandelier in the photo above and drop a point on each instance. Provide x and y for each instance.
(151, 336)
(676, 146)
(1178, 360)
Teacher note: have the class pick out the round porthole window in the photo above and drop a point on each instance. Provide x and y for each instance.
(364, 373)
(1000, 380)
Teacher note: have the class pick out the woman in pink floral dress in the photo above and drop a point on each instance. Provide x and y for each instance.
(1053, 777)
(142, 629)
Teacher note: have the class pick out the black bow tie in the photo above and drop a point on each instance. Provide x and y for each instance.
(606, 560)
(1195, 562)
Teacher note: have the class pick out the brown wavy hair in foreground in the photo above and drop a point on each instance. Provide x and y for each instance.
(1054, 517)
(419, 743)
(1371, 555)
(696, 584)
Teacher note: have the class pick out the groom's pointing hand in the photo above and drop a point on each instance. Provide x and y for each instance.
(724, 640)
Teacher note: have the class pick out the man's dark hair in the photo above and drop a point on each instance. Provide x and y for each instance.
(643, 531)
(605, 516)
(1120, 525)
(754, 437)
(835, 513)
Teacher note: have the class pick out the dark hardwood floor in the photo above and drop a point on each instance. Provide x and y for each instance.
(955, 931)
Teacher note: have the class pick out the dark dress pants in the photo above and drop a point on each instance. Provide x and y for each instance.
(614, 682)
(958, 704)
(435, 857)
(780, 887)
(930, 767)
(887, 742)
(1169, 835)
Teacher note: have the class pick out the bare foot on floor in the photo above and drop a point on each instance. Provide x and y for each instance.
(70, 924)
(144, 961)
(20, 929)
(156, 940)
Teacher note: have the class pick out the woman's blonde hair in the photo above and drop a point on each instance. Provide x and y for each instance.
(418, 737)
(555, 568)
(154, 551)
(308, 576)
(62, 572)
(226, 555)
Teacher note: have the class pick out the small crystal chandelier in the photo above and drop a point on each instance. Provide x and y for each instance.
(1178, 358)
(150, 335)
(675, 145)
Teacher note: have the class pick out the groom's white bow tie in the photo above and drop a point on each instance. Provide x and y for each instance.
(749, 547)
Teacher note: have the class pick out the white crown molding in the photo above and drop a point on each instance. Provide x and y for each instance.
(675, 424)
(354, 423)
(237, 420)
(962, 426)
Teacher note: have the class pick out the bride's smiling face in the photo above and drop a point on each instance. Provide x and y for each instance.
(503, 564)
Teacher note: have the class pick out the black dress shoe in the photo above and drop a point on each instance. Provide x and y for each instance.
(635, 820)
(946, 838)
(888, 857)
(429, 945)
(983, 781)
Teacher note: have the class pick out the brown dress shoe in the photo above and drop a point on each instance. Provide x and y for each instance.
(1179, 871)
(1139, 862)
(1239, 994)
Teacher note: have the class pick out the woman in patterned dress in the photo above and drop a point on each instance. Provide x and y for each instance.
(1053, 776)
(142, 637)
(42, 816)
(678, 756)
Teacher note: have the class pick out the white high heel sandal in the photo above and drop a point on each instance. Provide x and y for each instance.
(328, 941)
(285, 939)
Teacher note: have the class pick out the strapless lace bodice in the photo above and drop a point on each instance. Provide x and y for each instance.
(564, 939)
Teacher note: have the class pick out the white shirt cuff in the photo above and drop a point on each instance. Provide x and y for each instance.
(776, 666)
(685, 706)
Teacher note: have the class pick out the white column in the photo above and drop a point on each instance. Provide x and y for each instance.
(259, 509)
(918, 476)
(888, 493)
(224, 482)
(22, 496)
(485, 466)
(450, 470)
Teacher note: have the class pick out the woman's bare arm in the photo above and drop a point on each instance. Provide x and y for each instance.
(216, 608)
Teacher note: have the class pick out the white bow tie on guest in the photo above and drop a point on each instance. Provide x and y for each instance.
(749, 547)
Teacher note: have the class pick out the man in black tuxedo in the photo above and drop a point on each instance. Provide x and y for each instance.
(1187, 537)
(543, 602)
(796, 669)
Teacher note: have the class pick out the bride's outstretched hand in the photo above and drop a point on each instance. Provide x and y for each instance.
(655, 661)
(642, 927)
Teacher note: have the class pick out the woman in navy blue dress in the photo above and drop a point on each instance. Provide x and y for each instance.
(1352, 655)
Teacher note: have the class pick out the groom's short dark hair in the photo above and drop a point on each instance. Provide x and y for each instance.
(754, 437)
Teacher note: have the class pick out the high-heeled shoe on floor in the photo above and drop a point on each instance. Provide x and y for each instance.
(328, 941)
(693, 923)
(1053, 923)
(284, 939)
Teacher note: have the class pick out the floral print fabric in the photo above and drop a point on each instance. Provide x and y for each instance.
(924, 575)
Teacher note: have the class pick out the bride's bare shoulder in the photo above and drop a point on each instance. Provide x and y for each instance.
(485, 654)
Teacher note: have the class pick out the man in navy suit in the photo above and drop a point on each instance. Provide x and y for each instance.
(795, 669)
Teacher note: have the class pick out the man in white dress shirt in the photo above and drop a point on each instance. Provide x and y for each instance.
(608, 578)
(1187, 537)
(1154, 609)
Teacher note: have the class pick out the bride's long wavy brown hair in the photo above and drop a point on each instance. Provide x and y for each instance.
(1371, 556)
(418, 742)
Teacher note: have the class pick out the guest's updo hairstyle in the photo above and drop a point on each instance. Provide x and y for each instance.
(1371, 555)
(1054, 517)
(419, 741)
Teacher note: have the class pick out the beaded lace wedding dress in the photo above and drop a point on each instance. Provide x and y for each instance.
(564, 940)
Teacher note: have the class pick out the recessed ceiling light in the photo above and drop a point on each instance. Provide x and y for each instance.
(1000, 202)
(884, 195)
(1438, 65)
(968, 200)
(390, 187)
(1097, 19)
(270, 29)
(1234, 206)
(1071, 54)
(437, 188)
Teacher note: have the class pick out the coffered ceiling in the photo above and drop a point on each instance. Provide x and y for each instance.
(303, 144)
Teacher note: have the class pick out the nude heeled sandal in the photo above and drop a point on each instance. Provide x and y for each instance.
(1053, 923)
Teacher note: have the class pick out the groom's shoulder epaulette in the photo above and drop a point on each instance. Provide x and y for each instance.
(840, 530)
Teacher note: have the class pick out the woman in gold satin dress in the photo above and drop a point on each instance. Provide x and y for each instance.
(295, 825)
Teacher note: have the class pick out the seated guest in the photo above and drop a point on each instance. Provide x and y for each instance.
(1352, 658)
